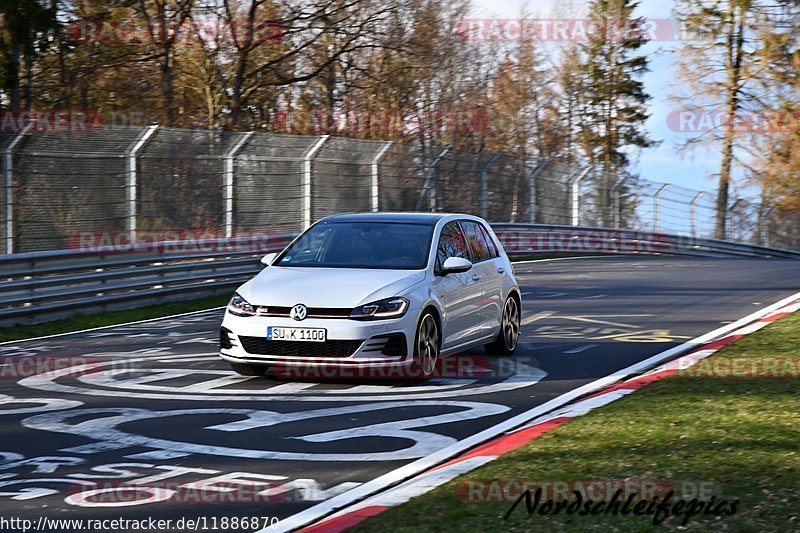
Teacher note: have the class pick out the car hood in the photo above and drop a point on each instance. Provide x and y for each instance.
(326, 287)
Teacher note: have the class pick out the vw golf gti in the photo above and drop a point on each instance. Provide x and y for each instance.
(376, 290)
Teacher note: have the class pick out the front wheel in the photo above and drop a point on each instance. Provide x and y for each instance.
(508, 336)
(247, 369)
(426, 347)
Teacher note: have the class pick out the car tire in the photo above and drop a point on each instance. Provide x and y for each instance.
(427, 343)
(508, 336)
(247, 369)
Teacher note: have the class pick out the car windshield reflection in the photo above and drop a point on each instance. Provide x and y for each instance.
(379, 245)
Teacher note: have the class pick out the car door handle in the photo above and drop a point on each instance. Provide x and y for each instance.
(476, 277)
(500, 270)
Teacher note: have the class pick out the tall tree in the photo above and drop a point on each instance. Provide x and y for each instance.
(724, 64)
(613, 108)
(775, 157)
(23, 23)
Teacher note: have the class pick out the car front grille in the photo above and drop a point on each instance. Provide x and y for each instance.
(313, 312)
(330, 348)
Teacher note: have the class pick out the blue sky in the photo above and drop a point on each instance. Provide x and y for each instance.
(665, 163)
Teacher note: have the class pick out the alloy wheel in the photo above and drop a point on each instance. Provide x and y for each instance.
(511, 324)
(427, 345)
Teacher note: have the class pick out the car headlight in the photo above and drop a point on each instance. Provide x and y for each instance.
(240, 307)
(389, 308)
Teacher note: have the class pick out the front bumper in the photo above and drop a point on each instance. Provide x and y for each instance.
(349, 342)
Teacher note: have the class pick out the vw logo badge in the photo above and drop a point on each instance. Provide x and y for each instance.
(298, 312)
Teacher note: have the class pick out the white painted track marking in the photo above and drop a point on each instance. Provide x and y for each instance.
(580, 349)
(328, 507)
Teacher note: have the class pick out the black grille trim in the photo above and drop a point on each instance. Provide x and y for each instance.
(395, 345)
(313, 312)
(330, 348)
(224, 339)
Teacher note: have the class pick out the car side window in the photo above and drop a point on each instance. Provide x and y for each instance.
(490, 242)
(452, 243)
(480, 249)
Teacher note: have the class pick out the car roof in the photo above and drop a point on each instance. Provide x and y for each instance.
(428, 219)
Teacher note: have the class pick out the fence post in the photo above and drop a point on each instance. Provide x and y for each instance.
(532, 198)
(430, 182)
(8, 183)
(574, 184)
(618, 202)
(485, 185)
(657, 207)
(765, 225)
(375, 204)
(228, 180)
(765, 233)
(130, 186)
(307, 157)
(693, 214)
(729, 216)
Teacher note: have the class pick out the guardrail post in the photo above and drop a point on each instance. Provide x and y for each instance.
(693, 214)
(8, 183)
(375, 176)
(431, 182)
(657, 207)
(485, 185)
(228, 180)
(307, 157)
(130, 185)
(618, 201)
(574, 185)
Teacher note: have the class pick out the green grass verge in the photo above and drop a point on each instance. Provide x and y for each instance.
(108, 318)
(736, 437)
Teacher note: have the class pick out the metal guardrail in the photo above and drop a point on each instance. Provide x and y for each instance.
(40, 286)
(522, 239)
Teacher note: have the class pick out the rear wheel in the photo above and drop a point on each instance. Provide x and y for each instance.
(426, 347)
(508, 336)
(247, 369)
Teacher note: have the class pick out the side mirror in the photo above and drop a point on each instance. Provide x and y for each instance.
(454, 265)
(268, 259)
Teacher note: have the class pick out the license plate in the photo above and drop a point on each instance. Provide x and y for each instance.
(296, 334)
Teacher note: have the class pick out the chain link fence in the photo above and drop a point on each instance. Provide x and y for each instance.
(70, 189)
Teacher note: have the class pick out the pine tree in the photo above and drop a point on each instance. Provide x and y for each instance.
(613, 108)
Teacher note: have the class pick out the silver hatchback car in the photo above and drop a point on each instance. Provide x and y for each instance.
(376, 290)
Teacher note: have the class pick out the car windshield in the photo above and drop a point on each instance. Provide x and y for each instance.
(386, 245)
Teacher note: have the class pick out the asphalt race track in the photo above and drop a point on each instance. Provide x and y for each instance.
(86, 417)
